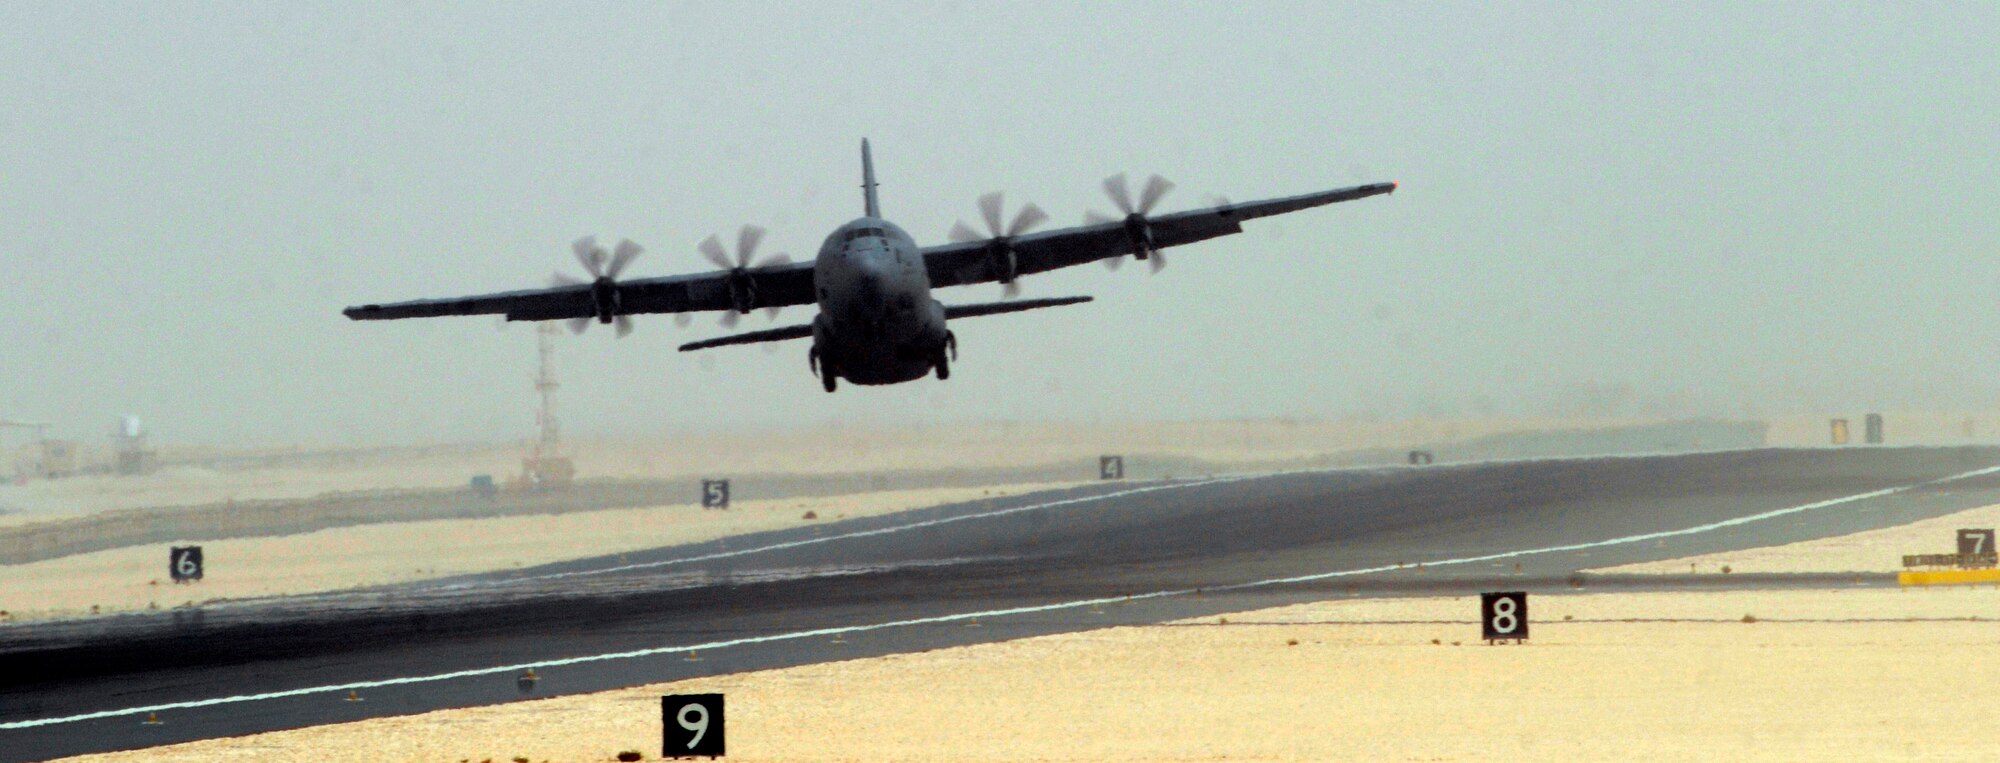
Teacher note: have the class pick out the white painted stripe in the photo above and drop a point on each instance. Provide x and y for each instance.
(336, 689)
(878, 531)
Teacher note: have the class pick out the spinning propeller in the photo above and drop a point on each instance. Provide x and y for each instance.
(1138, 230)
(742, 276)
(1000, 256)
(604, 293)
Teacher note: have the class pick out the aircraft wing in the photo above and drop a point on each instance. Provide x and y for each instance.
(774, 286)
(973, 262)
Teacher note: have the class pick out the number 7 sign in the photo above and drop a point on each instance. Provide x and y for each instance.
(1975, 542)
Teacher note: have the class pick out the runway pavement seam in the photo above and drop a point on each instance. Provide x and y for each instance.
(940, 619)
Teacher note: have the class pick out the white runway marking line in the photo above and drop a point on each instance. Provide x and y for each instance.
(855, 534)
(336, 689)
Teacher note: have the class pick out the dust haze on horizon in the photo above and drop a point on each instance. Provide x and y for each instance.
(1605, 210)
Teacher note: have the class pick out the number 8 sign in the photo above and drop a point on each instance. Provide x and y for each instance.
(1503, 615)
(691, 724)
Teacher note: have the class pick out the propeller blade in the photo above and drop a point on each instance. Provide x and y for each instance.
(729, 319)
(989, 208)
(1113, 263)
(962, 233)
(1094, 217)
(624, 323)
(746, 244)
(577, 325)
(622, 257)
(1158, 261)
(683, 319)
(1156, 187)
(711, 248)
(590, 254)
(780, 259)
(772, 312)
(1029, 217)
(1121, 196)
(560, 279)
(1011, 290)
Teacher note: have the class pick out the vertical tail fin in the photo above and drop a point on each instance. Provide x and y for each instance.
(868, 182)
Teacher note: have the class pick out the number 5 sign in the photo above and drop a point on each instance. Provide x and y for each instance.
(692, 724)
(715, 494)
(1503, 615)
(184, 563)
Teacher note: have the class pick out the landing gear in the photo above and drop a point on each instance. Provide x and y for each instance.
(822, 369)
(947, 353)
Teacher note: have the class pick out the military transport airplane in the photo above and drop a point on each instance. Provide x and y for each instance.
(877, 322)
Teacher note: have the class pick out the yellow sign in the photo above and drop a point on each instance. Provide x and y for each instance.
(1840, 431)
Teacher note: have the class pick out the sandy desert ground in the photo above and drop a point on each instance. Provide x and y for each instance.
(204, 476)
(1853, 675)
(211, 474)
(135, 578)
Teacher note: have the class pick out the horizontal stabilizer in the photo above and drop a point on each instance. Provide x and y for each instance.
(767, 335)
(1010, 306)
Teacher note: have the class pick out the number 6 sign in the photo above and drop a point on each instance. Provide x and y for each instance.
(184, 563)
(1503, 615)
(692, 725)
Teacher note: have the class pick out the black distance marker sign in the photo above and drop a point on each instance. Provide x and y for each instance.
(715, 494)
(692, 724)
(1975, 548)
(1111, 467)
(184, 563)
(1975, 542)
(1503, 615)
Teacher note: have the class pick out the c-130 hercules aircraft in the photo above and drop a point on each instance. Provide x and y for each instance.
(878, 323)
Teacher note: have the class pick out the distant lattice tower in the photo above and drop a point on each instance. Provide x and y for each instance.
(545, 466)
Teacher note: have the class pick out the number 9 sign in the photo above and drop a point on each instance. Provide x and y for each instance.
(691, 725)
(1503, 615)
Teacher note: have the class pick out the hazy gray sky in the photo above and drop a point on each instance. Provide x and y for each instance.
(1688, 208)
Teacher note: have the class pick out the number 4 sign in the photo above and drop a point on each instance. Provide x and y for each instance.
(1503, 615)
(692, 725)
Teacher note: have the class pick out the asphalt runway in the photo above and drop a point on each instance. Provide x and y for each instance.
(1114, 553)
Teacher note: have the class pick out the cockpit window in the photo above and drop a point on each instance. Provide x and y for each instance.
(864, 232)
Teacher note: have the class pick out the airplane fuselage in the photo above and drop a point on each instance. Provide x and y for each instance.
(877, 323)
